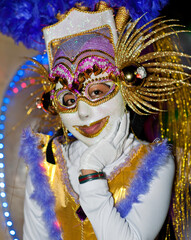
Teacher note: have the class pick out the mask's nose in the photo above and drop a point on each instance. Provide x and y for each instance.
(84, 110)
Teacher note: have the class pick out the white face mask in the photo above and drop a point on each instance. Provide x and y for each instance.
(92, 107)
(90, 124)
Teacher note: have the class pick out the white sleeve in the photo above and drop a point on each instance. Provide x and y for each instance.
(145, 219)
(34, 227)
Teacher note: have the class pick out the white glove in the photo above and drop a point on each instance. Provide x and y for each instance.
(109, 149)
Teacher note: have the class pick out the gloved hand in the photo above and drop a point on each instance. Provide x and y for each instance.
(109, 149)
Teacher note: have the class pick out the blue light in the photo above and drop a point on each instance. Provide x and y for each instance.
(29, 63)
(9, 223)
(44, 61)
(50, 133)
(24, 67)
(6, 100)
(11, 84)
(2, 175)
(2, 126)
(1, 155)
(9, 92)
(1, 136)
(3, 194)
(2, 165)
(6, 214)
(21, 73)
(12, 232)
(3, 108)
(16, 78)
(39, 58)
(2, 185)
(5, 204)
(1, 147)
(2, 117)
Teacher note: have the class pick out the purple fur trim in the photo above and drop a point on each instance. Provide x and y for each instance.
(42, 193)
(145, 174)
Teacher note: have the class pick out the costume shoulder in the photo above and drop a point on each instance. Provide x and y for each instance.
(137, 172)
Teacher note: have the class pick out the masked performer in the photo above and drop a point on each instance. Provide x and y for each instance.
(101, 183)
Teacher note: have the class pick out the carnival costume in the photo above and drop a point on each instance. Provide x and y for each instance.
(95, 70)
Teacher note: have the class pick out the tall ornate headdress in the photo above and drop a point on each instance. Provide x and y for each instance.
(146, 65)
(145, 74)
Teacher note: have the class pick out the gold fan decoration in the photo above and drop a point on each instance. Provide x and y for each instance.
(39, 84)
(135, 51)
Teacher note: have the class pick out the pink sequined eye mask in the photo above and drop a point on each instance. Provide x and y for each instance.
(85, 67)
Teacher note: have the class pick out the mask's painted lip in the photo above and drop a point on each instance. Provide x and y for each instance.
(94, 129)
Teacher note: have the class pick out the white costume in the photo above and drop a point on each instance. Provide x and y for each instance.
(126, 191)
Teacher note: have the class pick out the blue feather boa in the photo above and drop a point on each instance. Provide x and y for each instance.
(152, 162)
(23, 20)
(43, 195)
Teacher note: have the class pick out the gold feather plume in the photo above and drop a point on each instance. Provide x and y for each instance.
(135, 49)
(39, 84)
